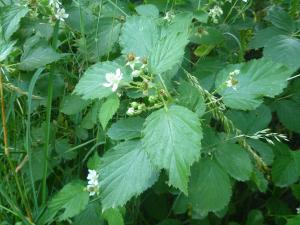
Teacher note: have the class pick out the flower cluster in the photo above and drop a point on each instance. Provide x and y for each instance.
(232, 81)
(93, 184)
(135, 109)
(136, 64)
(113, 80)
(169, 16)
(59, 11)
(215, 13)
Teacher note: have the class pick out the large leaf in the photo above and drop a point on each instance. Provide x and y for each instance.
(147, 10)
(72, 198)
(285, 167)
(168, 52)
(37, 53)
(90, 86)
(113, 217)
(235, 160)
(173, 140)
(108, 109)
(92, 214)
(126, 129)
(125, 172)
(210, 188)
(288, 112)
(139, 35)
(73, 104)
(257, 78)
(10, 17)
(284, 49)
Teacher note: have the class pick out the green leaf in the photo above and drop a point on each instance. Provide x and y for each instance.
(168, 52)
(108, 110)
(113, 217)
(288, 112)
(139, 35)
(148, 10)
(125, 172)
(257, 78)
(94, 162)
(294, 220)
(235, 160)
(255, 217)
(92, 214)
(73, 104)
(62, 148)
(280, 19)
(260, 181)
(285, 169)
(90, 86)
(251, 121)
(101, 39)
(72, 198)
(126, 129)
(284, 49)
(37, 53)
(210, 188)
(10, 17)
(166, 134)
(5, 48)
(264, 150)
(90, 119)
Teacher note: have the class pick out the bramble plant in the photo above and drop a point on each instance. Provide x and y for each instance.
(166, 112)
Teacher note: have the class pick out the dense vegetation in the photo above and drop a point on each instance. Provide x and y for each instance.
(166, 112)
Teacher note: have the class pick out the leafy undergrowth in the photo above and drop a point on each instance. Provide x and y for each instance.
(150, 112)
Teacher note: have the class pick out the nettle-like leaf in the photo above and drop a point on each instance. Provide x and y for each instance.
(209, 188)
(73, 199)
(256, 79)
(148, 10)
(5, 48)
(284, 49)
(126, 129)
(125, 172)
(91, 85)
(73, 104)
(92, 214)
(10, 17)
(235, 161)
(139, 35)
(172, 139)
(108, 109)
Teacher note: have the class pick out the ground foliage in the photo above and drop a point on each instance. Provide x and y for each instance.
(164, 112)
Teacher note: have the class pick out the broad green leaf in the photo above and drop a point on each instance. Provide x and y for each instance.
(73, 104)
(10, 17)
(168, 52)
(284, 49)
(209, 188)
(172, 139)
(90, 86)
(126, 129)
(125, 172)
(94, 162)
(91, 215)
(260, 181)
(294, 220)
(113, 217)
(5, 48)
(37, 53)
(139, 35)
(280, 19)
(235, 161)
(251, 121)
(207, 36)
(62, 148)
(288, 112)
(147, 10)
(73, 199)
(257, 78)
(255, 217)
(108, 110)
(90, 119)
(102, 38)
(285, 169)
(264, 150)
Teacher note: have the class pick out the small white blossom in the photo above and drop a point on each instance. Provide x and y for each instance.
(169, 16)
(61, 14)
(93, 184)
(113, 79)
(298, 210)
(215, 12)
(130, 111)
(55, 3)
(136, 73)
(132, 63)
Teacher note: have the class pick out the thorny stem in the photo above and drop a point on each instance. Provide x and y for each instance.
(227, 123)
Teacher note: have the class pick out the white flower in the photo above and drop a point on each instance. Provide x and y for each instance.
(61, 14)
(136, 73)
(113, 79)
(298, 210)
(55, 3)
(130, 111)
(215, 12)
(93, 184)
(245, 0)
(169, 16)
(133, 62)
